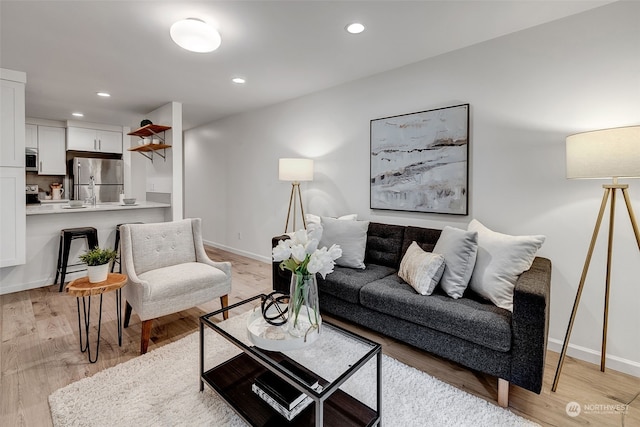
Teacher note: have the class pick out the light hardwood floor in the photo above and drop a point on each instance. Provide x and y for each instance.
(40, 353)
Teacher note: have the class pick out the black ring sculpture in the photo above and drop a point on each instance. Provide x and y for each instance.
(275, 299)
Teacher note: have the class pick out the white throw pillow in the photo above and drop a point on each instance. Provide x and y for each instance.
(311, 218)
(314, 223)
(501, 259)
(459, 249)
(422, 270)
(350, 235)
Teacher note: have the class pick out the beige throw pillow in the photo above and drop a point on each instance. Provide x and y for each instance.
(422, 270)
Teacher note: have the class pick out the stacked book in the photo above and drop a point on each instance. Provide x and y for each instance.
(282, 396)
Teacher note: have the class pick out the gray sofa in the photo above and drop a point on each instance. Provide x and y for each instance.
(470, 330)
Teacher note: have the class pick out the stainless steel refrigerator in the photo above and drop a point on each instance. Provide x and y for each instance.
(107, 175)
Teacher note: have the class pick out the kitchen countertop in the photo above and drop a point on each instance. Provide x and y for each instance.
(60, 208)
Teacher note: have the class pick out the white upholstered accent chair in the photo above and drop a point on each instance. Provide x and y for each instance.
(169, 271)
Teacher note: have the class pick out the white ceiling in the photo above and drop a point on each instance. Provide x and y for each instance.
(285, 49)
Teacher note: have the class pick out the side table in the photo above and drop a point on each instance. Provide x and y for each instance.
(82, 288)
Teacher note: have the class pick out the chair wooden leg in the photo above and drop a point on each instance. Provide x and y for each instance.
(224, 301)
(127, 314)
(503, 393)
(146, 334)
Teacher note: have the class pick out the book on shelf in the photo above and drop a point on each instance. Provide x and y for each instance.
(289, 414)
(282, 392)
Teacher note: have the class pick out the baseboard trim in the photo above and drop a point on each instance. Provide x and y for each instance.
(592, 356)
(238, 251)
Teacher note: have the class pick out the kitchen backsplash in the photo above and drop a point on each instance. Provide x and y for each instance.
(44, 182)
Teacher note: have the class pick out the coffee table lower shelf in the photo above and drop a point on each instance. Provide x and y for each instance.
(232, 381)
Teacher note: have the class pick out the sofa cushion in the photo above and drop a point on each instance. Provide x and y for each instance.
(181, 279)
(470, 319)
(345, 283)
(384, 244)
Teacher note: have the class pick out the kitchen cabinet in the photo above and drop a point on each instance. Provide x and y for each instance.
(12, 217)
(12, 125)
(12, 172)
(31, 136)
(94, 140)
(51, 151)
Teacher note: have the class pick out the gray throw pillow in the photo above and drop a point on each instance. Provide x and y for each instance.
(459, 249)
(350, 235)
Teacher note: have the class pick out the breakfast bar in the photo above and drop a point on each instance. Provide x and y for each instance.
(44, 223)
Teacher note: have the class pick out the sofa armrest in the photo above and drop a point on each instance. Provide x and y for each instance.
(281, 278)
(530, 325)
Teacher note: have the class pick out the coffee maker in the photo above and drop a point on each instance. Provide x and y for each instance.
(32, 194)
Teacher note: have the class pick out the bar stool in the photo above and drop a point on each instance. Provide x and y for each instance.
(67, 235)
(113, 264)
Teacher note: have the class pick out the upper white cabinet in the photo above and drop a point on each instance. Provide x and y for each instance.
(12, 114)
(95, 140)
(110, 142)
(31, 136)
(51, 151)
(12, 173)
(48, 137)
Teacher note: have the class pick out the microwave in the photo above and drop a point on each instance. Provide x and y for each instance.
(31, 160)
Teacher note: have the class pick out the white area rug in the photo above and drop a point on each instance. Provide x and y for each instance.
(160, 388)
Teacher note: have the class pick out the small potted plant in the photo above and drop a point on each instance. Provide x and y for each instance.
(98, 261)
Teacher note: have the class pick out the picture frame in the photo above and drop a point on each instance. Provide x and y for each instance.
(420, 161)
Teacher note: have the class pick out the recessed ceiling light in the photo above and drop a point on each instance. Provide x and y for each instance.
(77, 114)
(195, 35)
(239, 80)
(354, 28)
(103, 94)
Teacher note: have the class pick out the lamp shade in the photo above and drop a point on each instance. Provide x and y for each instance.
(295, 170)
(607, 153)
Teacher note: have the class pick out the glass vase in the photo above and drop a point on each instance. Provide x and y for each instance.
(304, 306)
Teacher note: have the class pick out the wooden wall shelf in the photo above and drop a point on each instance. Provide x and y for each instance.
(151, 131)
(150, 147)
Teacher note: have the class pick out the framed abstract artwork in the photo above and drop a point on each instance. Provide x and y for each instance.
(420, 161)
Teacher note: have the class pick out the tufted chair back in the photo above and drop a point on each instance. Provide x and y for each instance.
(162, 244)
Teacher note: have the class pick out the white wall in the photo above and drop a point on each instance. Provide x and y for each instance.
(527, 92)
(161, 179)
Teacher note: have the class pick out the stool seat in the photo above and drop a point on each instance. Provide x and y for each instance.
(78, 232)
(67, 235)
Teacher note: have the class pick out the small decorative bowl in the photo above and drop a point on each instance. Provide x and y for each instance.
(129, 201)
(76, 203)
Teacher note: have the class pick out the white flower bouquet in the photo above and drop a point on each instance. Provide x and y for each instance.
(301, 256)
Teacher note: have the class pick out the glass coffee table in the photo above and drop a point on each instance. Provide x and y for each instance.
(331, 360)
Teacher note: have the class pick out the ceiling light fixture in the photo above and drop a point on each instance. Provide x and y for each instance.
(77, 114)
(239, 80)
(103, 94)
(195, 35)
(354, 28)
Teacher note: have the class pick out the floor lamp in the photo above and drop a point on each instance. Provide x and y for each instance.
(608, 153)
(295, 170)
